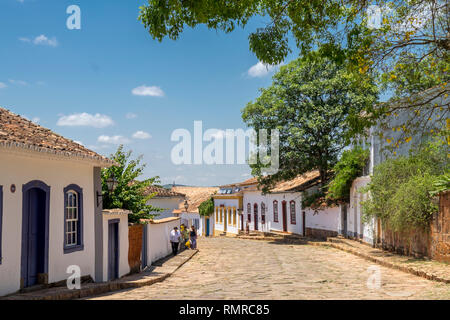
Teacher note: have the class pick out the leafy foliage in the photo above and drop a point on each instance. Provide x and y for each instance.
(314, 103)
(441, 184)
(310, 198)
(306, 19)
(130, 193)
(349, 167)
(407, 52)
(400, 188)
(206, 208)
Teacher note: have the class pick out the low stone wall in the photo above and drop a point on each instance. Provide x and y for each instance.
(415, 243)
(320, 233)
(440, 230)
(433, 243)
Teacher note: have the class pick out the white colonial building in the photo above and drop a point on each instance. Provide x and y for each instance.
(166, 199)
(243, 206)
(48, 206)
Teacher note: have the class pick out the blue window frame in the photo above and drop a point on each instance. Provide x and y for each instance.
(73, 218)
(1, 220)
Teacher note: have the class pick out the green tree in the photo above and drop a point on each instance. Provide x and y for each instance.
(314, 103)
(130, 192)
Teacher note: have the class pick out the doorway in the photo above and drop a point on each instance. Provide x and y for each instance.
(344, 220)
(255, 214)
(304, 223)
(284, 213)
(113, 249)
(35, 222)
(207, 227)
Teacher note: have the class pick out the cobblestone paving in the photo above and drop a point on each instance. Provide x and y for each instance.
(227, 268)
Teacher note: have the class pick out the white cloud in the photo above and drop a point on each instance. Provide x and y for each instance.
(36, 119)
(41, 40)
(86, 120)
(79, 142)
(18, 82)
(131, 115)
(141, 135)
(2, 85)
(260, 69)
(152, 91)
(113, 139)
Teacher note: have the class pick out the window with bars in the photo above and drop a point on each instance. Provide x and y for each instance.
(234, 216)
(249, 212)
(292, 211)
(275, 211)
(73, 219)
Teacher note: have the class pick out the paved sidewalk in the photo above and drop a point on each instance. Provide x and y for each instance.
(429, 269)
(159, 271)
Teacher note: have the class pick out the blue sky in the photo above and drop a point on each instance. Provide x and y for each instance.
(53, 75)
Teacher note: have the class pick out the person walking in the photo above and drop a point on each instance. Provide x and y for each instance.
(175, 240)
(193, 238)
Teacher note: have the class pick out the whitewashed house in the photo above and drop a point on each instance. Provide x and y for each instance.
(243, 205)
(188, 209)
(48, 205)
(166, 199)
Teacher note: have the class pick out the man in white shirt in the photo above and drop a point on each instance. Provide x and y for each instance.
(175, 240)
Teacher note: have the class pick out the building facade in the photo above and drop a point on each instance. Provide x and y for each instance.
(48, 205)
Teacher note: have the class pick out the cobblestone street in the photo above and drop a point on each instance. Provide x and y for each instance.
(228, 268)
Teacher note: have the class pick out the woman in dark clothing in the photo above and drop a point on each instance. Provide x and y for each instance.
(193, 237)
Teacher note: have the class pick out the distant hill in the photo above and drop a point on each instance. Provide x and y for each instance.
(170, 185)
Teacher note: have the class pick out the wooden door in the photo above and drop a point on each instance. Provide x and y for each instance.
(284, 214)
(113, 250)
(34, 241)
(255, 214)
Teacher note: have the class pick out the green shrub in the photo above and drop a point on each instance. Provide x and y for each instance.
(348, 168)
(400, 189)
(206, 208)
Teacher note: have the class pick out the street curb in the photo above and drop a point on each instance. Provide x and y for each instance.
(95, 289)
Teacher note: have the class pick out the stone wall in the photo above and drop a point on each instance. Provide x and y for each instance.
(415, 243)
(320, 233)
(433, 243)
(440, 230)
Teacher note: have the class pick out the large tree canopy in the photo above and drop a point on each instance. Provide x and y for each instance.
(405, 42)
(313, 102)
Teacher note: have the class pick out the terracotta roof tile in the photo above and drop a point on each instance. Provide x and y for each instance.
(298, 183)
(163, 192)
(16, 131)
(195, 196)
